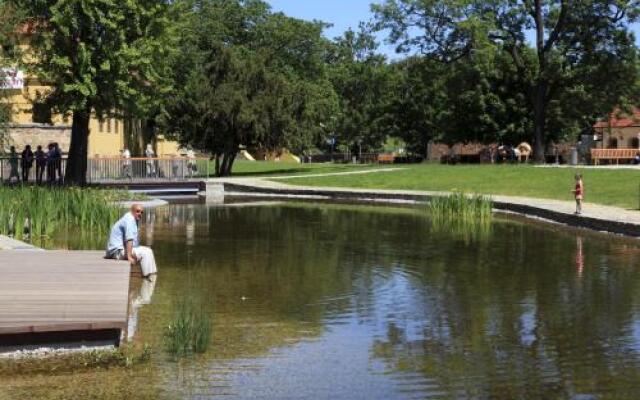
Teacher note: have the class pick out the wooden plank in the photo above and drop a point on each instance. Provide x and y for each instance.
(57, 291)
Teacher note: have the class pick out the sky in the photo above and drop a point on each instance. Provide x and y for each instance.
(344, 14)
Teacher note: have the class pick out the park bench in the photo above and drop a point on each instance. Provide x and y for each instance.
(612, 154)
(386, 158)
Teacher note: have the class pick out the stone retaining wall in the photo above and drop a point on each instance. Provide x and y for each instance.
(578, 221)
(20, 135)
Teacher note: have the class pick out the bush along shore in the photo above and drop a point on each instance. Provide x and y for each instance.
(32, 212)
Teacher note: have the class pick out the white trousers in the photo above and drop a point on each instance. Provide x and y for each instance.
(147, 261)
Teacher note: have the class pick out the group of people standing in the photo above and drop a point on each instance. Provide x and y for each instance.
(49, 161)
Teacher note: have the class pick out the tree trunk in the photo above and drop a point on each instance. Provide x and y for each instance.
(223, 167)
(218, 164)
(539, 121)
(232, 157)
(76, 171)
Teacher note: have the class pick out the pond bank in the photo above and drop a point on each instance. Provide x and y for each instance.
(7, 243)
(595, 217)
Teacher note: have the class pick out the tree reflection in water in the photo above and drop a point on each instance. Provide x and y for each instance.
(517, 326)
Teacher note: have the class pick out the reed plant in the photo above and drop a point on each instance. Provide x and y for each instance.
(460, 207)
(189, 332)
(460, 216)
(41, 212)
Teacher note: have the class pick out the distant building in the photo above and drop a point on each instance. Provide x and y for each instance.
(32, 121)
(619, 131)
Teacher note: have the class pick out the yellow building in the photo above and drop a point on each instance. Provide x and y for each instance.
(33, 123)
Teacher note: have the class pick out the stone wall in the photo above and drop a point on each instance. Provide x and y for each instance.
(20, 135)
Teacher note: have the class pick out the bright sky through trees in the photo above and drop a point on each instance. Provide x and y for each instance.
(343, 14)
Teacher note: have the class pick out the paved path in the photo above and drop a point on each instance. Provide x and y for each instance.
(597, 217)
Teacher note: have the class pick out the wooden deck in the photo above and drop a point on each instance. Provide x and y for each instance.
(60, 291)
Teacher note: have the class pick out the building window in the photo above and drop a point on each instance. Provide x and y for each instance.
(100, 125)
(41, 113)
(634, 143)
(108, 125)
(8, 50)
(117, 126)
(613, 143)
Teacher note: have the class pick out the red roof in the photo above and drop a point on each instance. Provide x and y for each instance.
(619, 119)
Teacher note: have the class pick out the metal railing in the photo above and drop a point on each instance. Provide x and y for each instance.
(108, 170)
(47, 172)
(148, 170)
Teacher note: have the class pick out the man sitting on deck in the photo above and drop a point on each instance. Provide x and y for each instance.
(124, 244)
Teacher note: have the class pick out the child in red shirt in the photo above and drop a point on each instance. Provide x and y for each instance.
(579, 193)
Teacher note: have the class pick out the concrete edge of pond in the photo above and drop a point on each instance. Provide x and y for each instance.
(596, 217)
(7, 243)
(151, 203)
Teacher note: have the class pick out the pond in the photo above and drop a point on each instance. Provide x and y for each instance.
(360, 302)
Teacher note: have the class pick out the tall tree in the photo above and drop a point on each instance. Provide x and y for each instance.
(96, 55)
(571, 37)
(247, 77)
(363, 81)
(10, 17)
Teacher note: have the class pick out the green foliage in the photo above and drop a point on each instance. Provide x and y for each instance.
(50, 211)
(189, 332)
(100, 56)
(363, 81)
(248, 77)
(562, 84)
(9, 17)
(459, 206)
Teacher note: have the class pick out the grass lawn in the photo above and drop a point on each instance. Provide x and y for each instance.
(271, 168)
(603, 186)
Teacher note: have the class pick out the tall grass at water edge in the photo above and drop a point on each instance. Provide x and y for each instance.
(460, 207)
(460, 216)
(189, 332)
(49, 210)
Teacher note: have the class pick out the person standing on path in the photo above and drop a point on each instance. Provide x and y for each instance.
(41, 163)
(150, 154)
(192, 167)
(578, 192)
(57, 162)
(126, 164)
(13, 164)
(124, 243)
(26, 162)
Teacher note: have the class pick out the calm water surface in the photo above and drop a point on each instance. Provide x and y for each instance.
(352, 302)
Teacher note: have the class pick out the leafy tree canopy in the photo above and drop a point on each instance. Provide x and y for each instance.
(98, 56)
(248, 77)
(573, 39)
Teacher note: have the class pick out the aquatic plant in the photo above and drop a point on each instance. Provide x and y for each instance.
(189, 332)
(463, 217)
(37, 211)
(460, 207)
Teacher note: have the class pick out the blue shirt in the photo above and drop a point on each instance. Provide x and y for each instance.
(124, 230)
